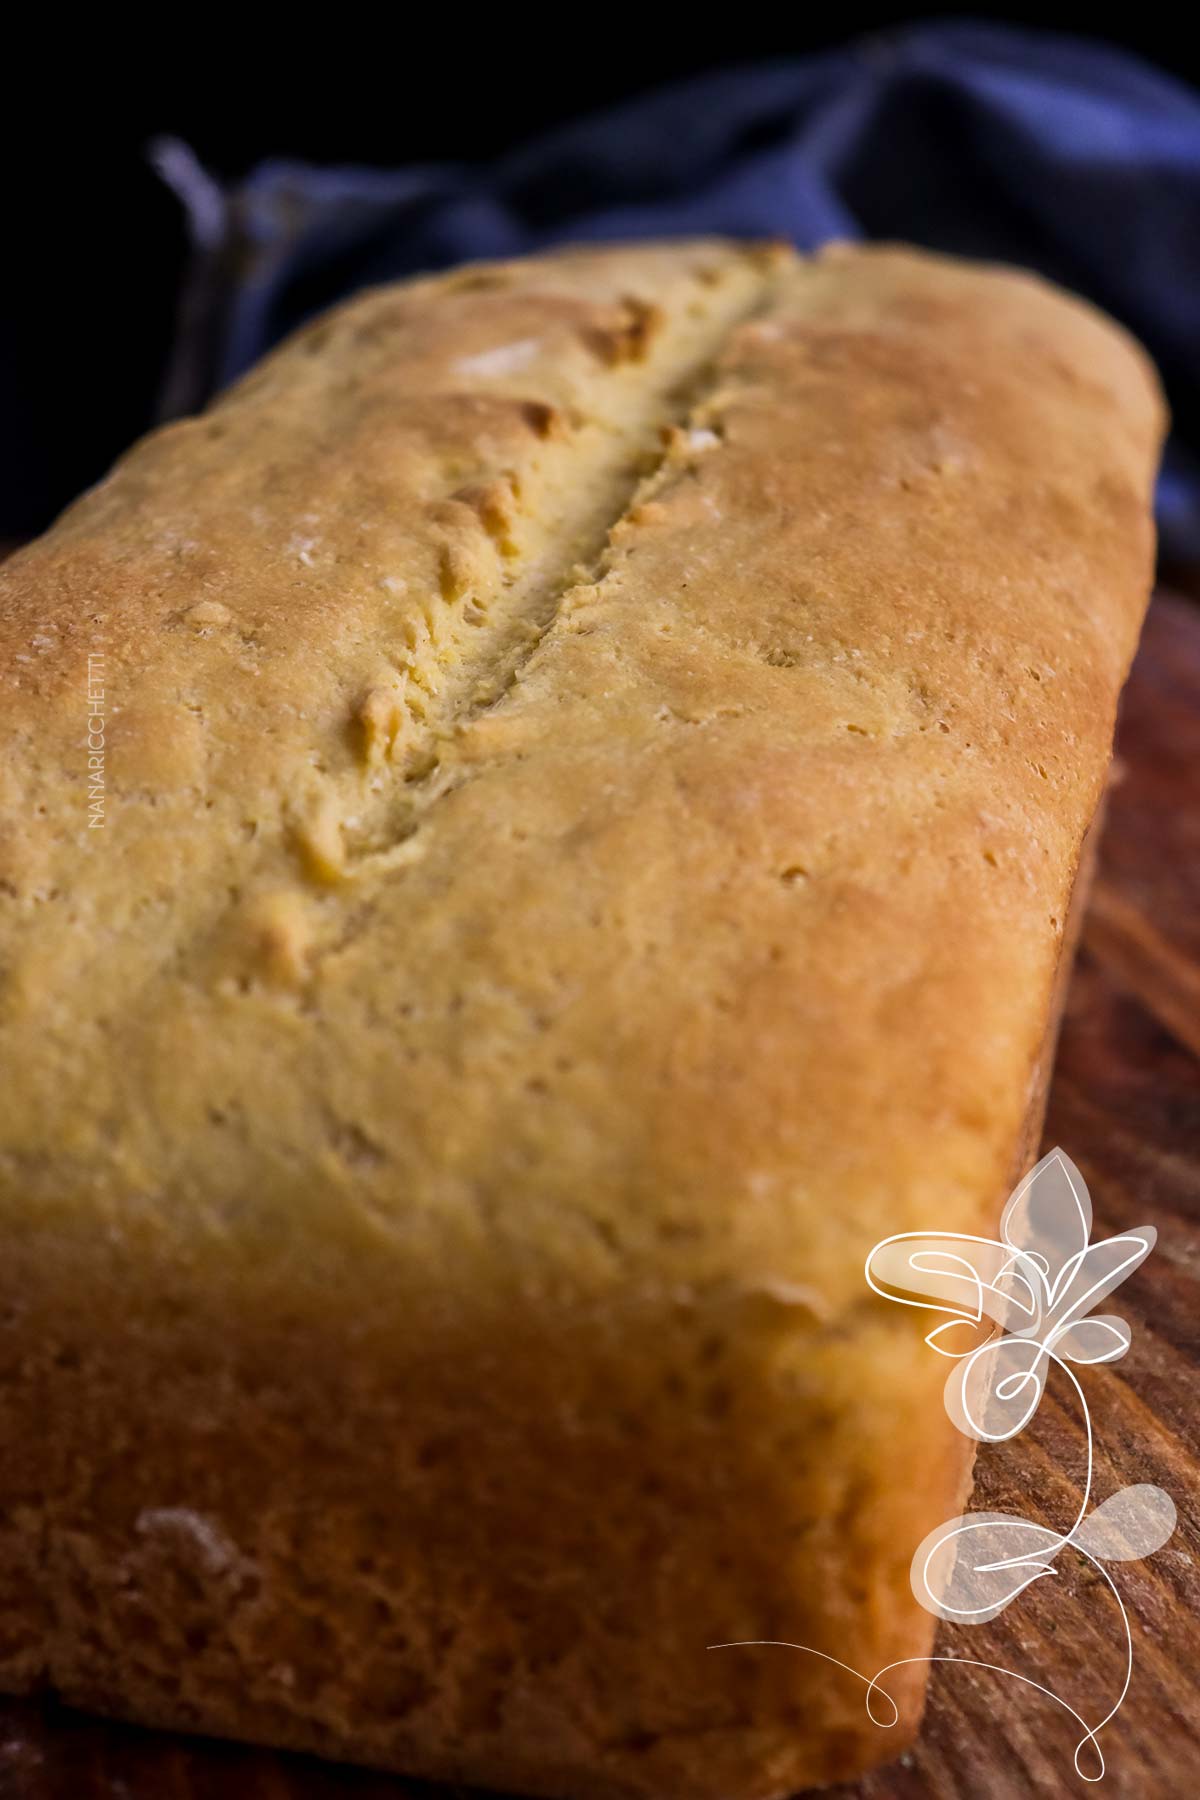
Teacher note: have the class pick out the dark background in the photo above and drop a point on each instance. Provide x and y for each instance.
(93, 246)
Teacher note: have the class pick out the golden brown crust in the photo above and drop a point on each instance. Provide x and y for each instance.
(449, 1104)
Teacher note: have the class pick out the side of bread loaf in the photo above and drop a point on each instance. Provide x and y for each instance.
(597, 753)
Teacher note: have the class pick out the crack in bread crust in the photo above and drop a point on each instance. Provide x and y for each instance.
(488, 638)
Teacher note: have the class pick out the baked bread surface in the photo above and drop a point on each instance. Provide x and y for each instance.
(597, 755)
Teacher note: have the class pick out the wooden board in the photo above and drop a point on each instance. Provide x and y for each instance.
(1125, 1103)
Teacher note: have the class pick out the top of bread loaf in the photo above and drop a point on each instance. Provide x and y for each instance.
(596, 750)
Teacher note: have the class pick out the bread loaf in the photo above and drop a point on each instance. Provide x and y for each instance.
(593, 759)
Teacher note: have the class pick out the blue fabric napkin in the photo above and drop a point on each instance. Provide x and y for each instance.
(1064, 156)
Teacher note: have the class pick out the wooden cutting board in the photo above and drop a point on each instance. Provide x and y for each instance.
(1125, 1103)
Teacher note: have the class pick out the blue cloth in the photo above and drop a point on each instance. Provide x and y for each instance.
(1061, 155)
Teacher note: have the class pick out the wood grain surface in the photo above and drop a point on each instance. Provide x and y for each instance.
(1125, 1103)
